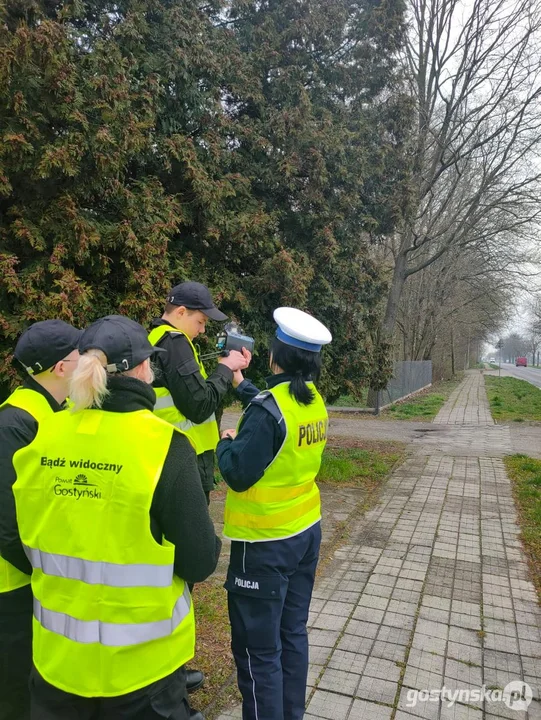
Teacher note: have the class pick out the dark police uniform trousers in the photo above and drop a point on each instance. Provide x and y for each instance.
(269, 588)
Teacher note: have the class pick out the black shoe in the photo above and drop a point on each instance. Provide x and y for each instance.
(196, 715)
(194, 680)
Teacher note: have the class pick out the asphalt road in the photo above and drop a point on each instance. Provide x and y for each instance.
(531, 375)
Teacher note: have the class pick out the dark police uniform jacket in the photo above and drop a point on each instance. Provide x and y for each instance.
(260, 437)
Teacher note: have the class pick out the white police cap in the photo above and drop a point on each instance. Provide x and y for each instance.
(301, 330)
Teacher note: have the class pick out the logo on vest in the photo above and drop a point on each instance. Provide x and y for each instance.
(82, 480)
(247, 584)
(313, 432)
(80, 488)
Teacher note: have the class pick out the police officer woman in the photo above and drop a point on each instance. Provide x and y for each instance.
(272, 516)
(115, 522)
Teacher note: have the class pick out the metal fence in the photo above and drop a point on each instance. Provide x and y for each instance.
(409, 376)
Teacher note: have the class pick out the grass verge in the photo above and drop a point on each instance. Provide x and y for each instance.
(346, 464)
(365, 466)
(525, 474)
(513, 400)
(426, 404)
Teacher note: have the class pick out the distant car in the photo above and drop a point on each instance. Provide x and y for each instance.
(492, 360)
(521, 362)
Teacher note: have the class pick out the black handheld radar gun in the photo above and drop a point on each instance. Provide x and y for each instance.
(231, 338)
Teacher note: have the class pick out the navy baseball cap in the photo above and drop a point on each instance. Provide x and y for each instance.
(123, 341)
(45, 343)
(195, 296)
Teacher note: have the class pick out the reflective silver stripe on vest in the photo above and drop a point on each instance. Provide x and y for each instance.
(112, 634)
(100, 573)
(164, 402)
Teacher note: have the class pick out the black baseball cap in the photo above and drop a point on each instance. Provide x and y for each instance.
(123, 341)
(195, 296)
(45, 343)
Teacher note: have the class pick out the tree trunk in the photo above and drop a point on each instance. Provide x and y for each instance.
(395, 292)
(452, 352)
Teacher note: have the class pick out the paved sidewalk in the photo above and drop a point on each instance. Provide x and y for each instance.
(468, 404)
(432, 589)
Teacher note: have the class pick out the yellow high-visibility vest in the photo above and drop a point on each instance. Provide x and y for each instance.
(110, 615)
(205, 435)
(36, 405)
(286, 501)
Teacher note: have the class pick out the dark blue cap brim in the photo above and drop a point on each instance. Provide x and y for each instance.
(295, 342)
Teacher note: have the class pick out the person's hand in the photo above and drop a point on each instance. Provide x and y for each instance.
(236, 360)
(229, 434)
(247, 356)
(238, 377)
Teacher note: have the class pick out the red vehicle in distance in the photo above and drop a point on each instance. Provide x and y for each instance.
(521, 362)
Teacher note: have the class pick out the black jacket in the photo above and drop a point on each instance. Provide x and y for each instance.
(17, 429)
(195, 397)
(179, 510)
(262, 432)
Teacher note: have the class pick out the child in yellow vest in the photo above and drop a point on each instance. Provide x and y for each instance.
(47, 354)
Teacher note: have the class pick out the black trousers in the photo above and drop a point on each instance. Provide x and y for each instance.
(15, 653)
(269, 587)
(165, 698)
(207, 495)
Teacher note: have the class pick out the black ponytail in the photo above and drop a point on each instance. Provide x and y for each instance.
(302, 365)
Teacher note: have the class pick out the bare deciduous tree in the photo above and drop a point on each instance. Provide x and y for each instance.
(449, 309)
(475, 75)
(533, 332)
(514, 345)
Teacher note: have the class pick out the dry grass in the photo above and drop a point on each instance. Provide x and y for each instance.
(213, 653)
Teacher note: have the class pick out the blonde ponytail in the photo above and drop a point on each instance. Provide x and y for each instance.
(88, 385)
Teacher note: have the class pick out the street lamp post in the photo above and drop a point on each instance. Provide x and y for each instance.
(499, 345)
